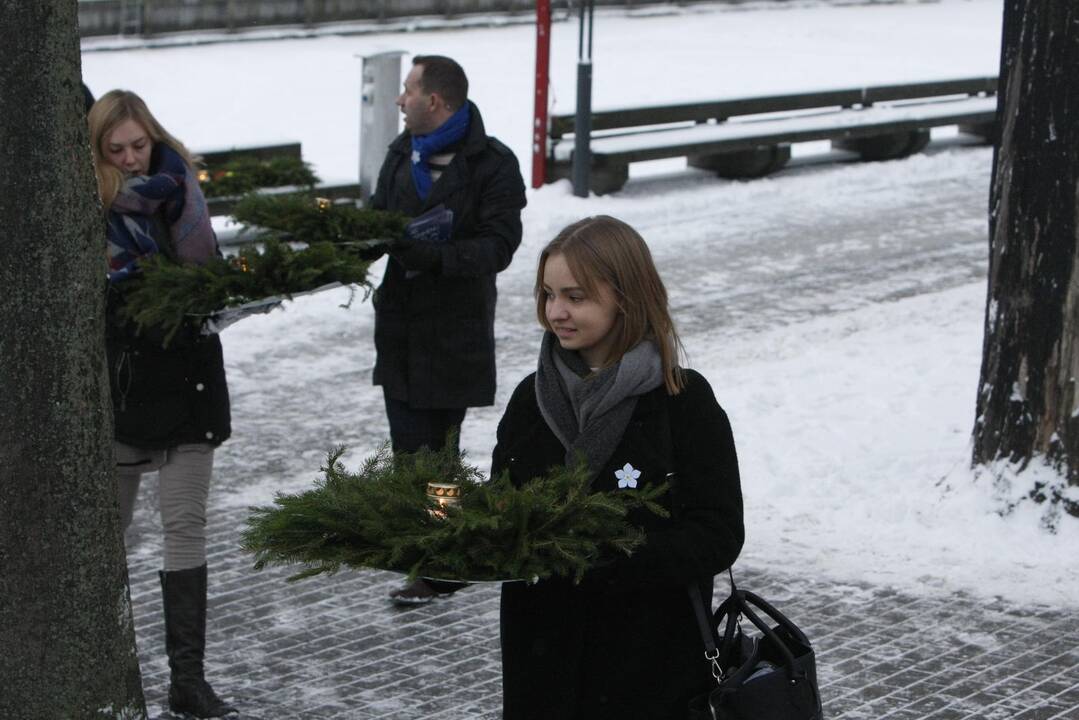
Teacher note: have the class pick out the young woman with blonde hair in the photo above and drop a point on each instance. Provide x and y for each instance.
(624, 642)
(170, 403)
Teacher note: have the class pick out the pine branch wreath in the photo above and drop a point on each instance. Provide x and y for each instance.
(245, 174)
(380, 517)
(308, 219)
(165, 294)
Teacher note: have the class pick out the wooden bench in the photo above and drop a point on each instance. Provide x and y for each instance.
(751, 137)
(221, 156)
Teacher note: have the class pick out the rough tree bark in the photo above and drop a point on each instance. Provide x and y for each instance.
(67, 641)
(1028, 400)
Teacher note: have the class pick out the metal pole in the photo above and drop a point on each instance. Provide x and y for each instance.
(539, 119)
(582, 121)
(146, 25)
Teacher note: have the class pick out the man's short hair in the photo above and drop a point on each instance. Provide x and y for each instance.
(444, 76)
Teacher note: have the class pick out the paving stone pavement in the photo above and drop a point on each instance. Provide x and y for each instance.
(335, 648)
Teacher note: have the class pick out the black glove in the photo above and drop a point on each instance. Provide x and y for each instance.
(371, 251)
(417, 256)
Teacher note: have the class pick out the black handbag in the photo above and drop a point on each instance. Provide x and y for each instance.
(768, 677)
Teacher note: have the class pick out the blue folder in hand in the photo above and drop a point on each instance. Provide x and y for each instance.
(435, 226)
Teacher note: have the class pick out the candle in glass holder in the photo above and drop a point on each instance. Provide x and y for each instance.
(444, 495)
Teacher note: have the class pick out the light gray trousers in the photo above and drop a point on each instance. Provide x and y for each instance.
(183, 485)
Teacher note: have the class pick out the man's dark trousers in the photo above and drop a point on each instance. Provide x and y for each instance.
(413, 428)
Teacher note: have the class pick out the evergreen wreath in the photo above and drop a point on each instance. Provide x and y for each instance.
(166, 294)
(247, 173)
(303, 217)
(381, 517)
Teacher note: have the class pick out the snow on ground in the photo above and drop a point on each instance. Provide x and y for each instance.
(255, 93)
(837, 310)
(854, 442)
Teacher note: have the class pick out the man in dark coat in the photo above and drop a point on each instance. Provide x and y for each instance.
(435, 308)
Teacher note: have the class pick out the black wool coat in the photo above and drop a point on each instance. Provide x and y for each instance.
(434, 332)
(165, 396)
(624, 644)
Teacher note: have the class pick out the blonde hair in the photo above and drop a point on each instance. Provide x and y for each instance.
(111, 110)
(605, 250)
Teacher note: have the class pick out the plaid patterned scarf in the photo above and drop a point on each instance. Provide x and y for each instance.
(170, 191)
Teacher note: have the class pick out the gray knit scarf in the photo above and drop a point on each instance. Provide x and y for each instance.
(589, 412)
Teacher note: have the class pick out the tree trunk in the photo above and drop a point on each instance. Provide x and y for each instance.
(67, 640)
(1028, 400)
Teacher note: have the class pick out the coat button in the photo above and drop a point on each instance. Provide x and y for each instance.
(200, 387)
(209, 435)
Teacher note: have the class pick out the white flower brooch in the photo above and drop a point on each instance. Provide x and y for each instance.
(627, 476)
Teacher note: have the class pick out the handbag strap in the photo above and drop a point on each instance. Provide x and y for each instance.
(737, 604)
(747, 598)
(704, 624)
(704, 617)
(743, 599)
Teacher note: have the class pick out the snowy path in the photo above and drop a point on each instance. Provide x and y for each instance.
(837, 310)
(785, 291)
(738, 258)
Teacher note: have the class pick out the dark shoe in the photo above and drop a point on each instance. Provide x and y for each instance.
(197, 698)
(184, 598)
(418, 592)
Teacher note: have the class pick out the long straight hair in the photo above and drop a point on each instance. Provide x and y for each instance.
(603, 250)
(111, 110)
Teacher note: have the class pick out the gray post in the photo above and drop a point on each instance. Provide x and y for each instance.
(132, 17)
(312, 12)
(380, 84)
(232, 12)
(582, 119)
(582, 130)
(146, 17)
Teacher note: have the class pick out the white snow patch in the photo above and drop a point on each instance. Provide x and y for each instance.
(852, 428)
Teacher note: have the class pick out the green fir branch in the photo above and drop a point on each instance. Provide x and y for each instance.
(305, 218)
(379, 517)
(166, 294)
(245, 174)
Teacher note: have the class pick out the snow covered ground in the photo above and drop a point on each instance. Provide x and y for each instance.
(837, 310)
(259, 92)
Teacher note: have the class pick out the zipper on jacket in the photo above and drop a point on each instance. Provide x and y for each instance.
(123, 387)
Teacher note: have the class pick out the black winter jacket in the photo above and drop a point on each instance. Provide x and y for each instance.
(164, 396)
(624, 644)
(434, 332)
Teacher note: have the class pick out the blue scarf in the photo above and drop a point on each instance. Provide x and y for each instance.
(170, 189)
(424, 146)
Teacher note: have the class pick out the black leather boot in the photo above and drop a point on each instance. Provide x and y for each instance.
(184, 596)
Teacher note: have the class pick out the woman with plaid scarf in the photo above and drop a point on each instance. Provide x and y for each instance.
(170, 400)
